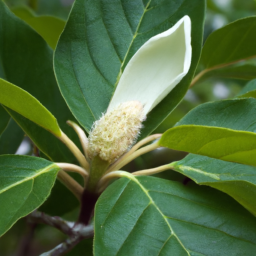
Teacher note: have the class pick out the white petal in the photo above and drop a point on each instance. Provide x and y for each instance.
(156, 68)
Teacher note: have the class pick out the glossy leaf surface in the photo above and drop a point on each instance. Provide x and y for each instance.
(25, 104)
(150, 216)
(222, 130)
(88, 73)
(237, 180)
(28, 64)
(25, 183)
(230, 44)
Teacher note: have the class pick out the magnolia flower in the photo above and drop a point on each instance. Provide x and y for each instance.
(154, 70)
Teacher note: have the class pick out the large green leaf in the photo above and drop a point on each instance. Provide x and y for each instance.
(150, 216)
(25, 104)
(48, 27)
(25, 183)
(26, 61)
(228, 45)
(222, 130)
(231, 43)
(100, 38)
(11, 138)
(237, 180)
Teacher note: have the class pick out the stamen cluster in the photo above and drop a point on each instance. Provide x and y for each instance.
(116, 131)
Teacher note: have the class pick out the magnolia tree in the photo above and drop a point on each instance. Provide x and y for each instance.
(119, 69)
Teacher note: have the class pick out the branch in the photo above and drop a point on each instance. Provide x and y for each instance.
(76, 232)
(25, 244)
(83, 232)
(53, 221)
(68, 245)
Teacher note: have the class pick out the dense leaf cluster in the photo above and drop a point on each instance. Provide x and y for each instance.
(52, 71)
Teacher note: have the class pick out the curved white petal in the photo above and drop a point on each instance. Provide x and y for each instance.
(156, 68)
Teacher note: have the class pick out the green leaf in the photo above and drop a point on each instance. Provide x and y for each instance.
(25, 104)
(231, 43)
(228, 45)
(222, 130)
(237, 180)
(28, 64)
(5, 118)
(240, 71)
(249, 90)
(150, 216)
(48, 27)
(88, 73)
(11, 138)
(25, 183)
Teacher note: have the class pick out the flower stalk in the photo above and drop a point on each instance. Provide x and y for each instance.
(132, 150)
(81, 135)
(74, 168)
(97, 170)
(75, 150)
(153, 171)
(71, 184)
(129, 157)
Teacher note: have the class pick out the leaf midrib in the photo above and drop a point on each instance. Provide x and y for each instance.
(40, 172)
(128, 50)
(133, 178)
(130, 176)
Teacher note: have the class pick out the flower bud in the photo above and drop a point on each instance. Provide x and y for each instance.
(116, 131)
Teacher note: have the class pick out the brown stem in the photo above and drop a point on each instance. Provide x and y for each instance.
(36, 151)
(76, 232)
(53, 221)
(67, 246)
(88, 202)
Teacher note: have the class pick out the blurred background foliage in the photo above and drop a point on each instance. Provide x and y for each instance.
(219, 13)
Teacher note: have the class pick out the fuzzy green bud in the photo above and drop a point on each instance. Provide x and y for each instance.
(116, 131)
